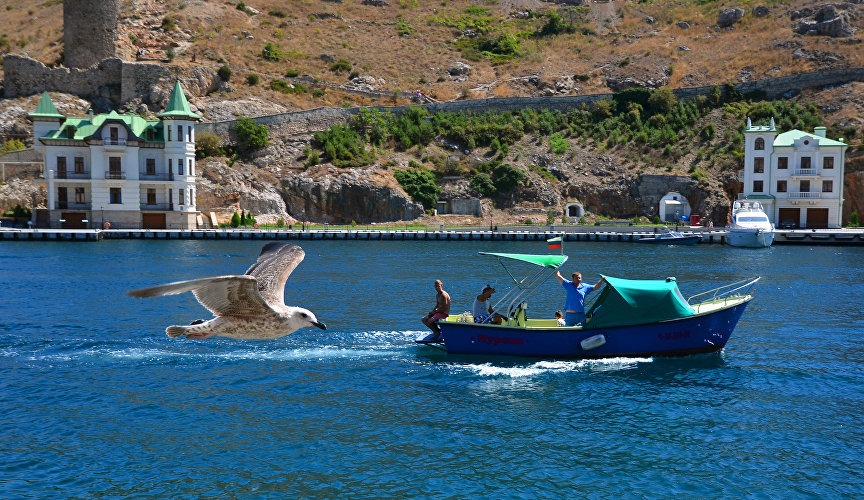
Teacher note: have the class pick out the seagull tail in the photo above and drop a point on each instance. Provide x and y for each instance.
(176, 331)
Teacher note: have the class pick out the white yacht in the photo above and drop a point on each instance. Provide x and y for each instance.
(750, 226)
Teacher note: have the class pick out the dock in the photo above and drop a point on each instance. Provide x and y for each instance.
(624, 235)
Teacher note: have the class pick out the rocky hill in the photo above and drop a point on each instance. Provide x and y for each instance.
(460, 50)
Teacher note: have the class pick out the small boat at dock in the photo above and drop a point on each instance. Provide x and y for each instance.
(670, 237)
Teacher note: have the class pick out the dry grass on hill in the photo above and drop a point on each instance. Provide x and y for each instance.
(313, 34)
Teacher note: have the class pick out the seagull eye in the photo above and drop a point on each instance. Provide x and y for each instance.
(305, 315)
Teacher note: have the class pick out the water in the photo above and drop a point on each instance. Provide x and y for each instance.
(96, 401)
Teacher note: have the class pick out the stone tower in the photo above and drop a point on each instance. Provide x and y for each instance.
(89, 30)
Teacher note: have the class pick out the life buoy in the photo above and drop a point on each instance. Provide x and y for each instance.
(256, 226)
(106, 225)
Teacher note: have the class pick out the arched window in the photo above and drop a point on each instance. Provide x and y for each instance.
(760, 144)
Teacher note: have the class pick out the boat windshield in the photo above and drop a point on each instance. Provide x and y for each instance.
(752, 218)
(543, 267)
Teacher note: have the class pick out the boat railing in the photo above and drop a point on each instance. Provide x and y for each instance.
(725, 291)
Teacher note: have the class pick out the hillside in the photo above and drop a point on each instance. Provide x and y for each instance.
(463, 49)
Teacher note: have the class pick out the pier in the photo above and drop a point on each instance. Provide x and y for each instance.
(622, 234)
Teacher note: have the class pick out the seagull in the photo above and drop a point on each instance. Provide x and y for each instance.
(251, 306)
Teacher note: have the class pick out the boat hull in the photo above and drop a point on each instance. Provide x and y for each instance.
(685, 240)
(696, 334)
(749, 238)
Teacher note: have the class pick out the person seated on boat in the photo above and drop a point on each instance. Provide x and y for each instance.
(559, 317)
(574, 307)
(440, 311)
(483, 309)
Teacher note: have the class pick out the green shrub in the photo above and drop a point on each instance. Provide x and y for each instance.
(207, 144)
(249, 134)
(550, 217)
(271, 52)
(170, 54)
(235, 219)
(483, 184)
(340, 66)
(420, 186)
(558, 144)
(19, 212)
(252, 79)
(656, 220)
(291, 73)
(12, 145)
(277, 13)
(529, 222)
(508, 177)
(853, 219)
(312, 159)
(224, 73)
(343, 146)
(168, 24)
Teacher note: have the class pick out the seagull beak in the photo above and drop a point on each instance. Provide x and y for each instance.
(319, 325)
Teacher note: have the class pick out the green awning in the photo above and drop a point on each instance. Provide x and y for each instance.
(553, 261)
(636, 302)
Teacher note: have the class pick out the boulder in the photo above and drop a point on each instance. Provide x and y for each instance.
(728, 17)
(459, 68)
(761, 11)
(684, 25)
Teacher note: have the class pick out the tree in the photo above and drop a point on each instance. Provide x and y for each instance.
(420, 186)
(243, 218)
(662, 101)
(250, 135)
(507, 177)
(207, 144)
(853, 219)
(224, 73)
(235, 219)
(483, 184)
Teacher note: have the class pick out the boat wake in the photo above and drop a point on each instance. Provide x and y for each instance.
(553, 367)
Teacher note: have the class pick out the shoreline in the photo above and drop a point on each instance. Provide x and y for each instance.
(623, 234)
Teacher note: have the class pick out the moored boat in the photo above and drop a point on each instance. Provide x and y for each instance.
(629, 318)
(750, 226)
(670, 237)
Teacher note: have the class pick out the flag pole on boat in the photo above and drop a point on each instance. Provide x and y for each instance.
(556, 242)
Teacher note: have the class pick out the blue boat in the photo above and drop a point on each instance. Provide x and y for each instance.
(629, 318)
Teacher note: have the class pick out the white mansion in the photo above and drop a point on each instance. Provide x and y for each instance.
(119, 171)
(796, 176)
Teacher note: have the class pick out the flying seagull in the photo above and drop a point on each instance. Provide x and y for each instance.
(251, 306)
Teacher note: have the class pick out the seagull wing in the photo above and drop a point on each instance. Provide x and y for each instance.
(276, 262)
(222, 295)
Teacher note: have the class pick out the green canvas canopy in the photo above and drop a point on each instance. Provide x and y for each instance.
(633, 302)
(553, 261)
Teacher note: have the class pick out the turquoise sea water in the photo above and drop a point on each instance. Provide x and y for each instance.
(96, 401)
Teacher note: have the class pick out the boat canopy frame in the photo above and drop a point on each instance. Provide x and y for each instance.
(546, 265)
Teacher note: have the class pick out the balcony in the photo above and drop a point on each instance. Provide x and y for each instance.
(71, 175)
(115, 175)
(157, 176)
(65, 205)
(805, 172)
(158, 207)
(799, 196)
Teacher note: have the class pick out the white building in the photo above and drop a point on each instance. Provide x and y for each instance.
(121, 171)
(673, 207)
(796, 176)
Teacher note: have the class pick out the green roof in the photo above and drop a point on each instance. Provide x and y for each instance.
(787, 139)
(178, 107)
(634, 302)
(553, 261)
(85, 128)
(46, 109)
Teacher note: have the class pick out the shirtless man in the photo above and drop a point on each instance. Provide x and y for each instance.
(441, 310)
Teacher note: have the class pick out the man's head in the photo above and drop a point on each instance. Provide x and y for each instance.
(577, 277)
(488, 290)
(439, 285)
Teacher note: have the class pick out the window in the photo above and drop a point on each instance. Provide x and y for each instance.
(179, 132)
(180, 166)
(759, 165)
(151, 196)
(114, 171)
(115, 135)
(191, 167)
(189, 134)
(115, 196)
(782, 162)
(180, 197)
(804, 187)
(170, 165)
(149, 134)
(760, 144)
(70, 132)
(169, 133)
(828, 162)
(79, 195)
(79, 164)
(150, 166)
(827, 186)
(61, 164)
(805, 162)
(758, 186)
(781, 186)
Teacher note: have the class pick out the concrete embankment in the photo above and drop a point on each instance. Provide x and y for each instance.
(627, 235)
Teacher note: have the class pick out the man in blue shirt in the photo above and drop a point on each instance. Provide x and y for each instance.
(574, 308)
